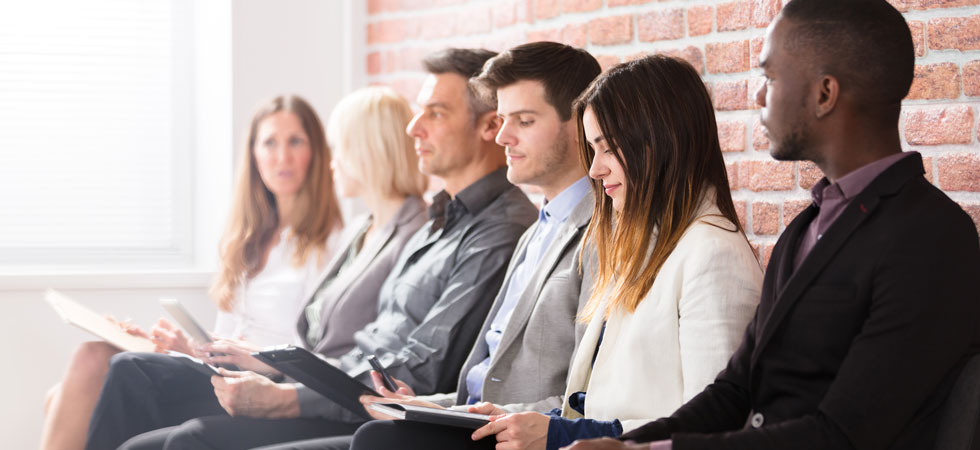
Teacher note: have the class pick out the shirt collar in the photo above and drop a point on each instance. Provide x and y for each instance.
(560, 207)
(472, 199)
(852, 184)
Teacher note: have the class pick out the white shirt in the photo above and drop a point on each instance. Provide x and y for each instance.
(268, 305)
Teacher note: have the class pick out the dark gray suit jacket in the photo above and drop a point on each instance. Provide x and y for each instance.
(530, 365)
(352, 298)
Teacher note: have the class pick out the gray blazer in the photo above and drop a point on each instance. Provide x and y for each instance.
(352, 298)
(531, 362)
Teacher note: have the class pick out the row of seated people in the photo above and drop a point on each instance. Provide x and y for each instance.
(634, 286)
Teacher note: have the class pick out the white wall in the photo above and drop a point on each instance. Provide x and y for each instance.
(246, 51)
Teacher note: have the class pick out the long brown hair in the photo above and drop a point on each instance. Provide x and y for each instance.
(657, 114)
(254, 216)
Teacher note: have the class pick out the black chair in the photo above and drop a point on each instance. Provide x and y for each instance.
(961, 411)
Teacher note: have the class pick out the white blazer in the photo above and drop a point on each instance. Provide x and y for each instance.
(681, 335)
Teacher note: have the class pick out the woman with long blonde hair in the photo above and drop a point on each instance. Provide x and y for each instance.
(283, 220)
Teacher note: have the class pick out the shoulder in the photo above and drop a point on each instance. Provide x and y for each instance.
(510, 206)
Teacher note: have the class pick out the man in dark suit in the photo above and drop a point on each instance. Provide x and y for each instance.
(869, 307)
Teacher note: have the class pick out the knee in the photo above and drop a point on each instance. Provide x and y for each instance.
(374, 434)
(91, 360)
(189, 435)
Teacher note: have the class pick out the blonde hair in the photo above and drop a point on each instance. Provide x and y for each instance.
(254, 216)
(367, 133)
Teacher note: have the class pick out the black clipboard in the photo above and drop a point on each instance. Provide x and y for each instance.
(447, 417)
(307, 368)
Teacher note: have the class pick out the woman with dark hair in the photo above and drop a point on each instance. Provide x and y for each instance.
(676, 280)
(284, 220)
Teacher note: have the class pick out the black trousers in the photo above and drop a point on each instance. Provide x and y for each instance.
(403, 434)
(240, 433)
(146, 391)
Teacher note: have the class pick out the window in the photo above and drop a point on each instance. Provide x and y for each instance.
(96, 124)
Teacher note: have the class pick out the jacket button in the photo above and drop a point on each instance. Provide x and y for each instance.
(757, 420)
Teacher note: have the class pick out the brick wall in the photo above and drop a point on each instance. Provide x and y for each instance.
(722, 39)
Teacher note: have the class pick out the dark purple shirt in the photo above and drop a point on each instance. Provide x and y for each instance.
(832, 198)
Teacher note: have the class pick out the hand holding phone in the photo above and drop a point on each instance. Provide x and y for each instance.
(389, 383)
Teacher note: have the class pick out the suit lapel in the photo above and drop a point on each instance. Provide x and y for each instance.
(859, 209)
(567, 236)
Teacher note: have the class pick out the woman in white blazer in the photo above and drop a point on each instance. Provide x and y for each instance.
(677, 281)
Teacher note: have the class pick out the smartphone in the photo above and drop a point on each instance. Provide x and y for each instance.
(385, 378)
(185, 320)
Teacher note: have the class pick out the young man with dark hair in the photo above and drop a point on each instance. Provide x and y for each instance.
(430, 306)
(869, 305)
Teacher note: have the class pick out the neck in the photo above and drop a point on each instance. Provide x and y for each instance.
(383, 208)
(284, 206)
(856, 150)
(489, 158)
(557, 186)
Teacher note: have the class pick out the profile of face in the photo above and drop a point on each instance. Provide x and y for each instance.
(783, 96)
(605, 166)
(282, 153)
(443, 129)
(535, 137)
(346, 180)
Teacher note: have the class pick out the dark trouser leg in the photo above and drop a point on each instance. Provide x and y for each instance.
(146, 391)
(234, 433)
(329, 443)
(405, 435)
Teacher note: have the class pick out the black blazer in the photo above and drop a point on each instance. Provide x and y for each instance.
(860, 346)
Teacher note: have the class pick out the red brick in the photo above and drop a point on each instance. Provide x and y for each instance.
(502, 41)
(961, 33)
(732, 170)
(478, 20)
(934, 81)
(959, 172)
(937, 126)
(974, 211)
(927, 166)
(901, 5)
(406, 59)
(547, 9)
(422, 4)
(763, 252)
(792, 208)
(810, 174)
(760, 140)
(505, 14)
(918, 30)
(388, 31)
(576, 35)
(741, 211)
(727, 57)
(379, 6)
(755, 49)
(442, 25)
(728, 95)
(525, 11)
(763, 11)
(573, 6)
(691, 54)
(734, 15)
(700, 19)
(765, 218)
(731, 135)
(615, 3)
(408, 88)
(611, 30)
(971, 78)
(660, 25)
(551, 34)
(930, 4)
(607, 61)
(374, 63)
(765, 175)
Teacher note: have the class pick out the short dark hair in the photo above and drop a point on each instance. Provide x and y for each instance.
(565, 72)
(866, 44)
(467, 63)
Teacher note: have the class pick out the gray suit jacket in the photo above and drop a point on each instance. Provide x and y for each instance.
(531, 362)
(352, 298)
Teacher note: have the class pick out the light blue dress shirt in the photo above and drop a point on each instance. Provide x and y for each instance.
(552, 215)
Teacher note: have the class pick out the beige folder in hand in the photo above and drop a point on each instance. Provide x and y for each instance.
(76, 314)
